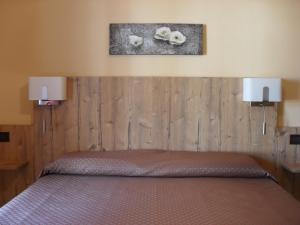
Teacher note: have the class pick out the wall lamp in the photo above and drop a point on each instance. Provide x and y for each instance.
(47, 90)
(262, 92)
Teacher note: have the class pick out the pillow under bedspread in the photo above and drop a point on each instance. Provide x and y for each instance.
(157, 163)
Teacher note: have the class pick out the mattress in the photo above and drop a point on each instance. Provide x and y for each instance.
(153, 187)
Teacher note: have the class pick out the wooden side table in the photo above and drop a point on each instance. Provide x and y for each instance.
(12, 165)
(292, 167)
(10, 173)
(293, 172)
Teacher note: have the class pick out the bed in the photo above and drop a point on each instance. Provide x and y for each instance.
(153, 187)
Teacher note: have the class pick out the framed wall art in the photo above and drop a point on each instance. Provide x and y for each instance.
(156, 39)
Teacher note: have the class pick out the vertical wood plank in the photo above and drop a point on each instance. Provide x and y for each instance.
(234, 117)
(58, 135)
(149, 113)
(29, 146)
(115, 113)
(37, 131)
(89, 114)
(71, 116)
(65, 118)
(210, 114)
(43, 137)
(184, 113)
(257, 139)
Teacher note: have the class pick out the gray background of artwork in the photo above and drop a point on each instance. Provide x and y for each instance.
(119, 39)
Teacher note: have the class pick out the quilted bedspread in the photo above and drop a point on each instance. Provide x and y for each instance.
(145, 188)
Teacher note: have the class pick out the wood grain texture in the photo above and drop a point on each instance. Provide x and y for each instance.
(196, 114)
(114, 113)
(209, 120)
(16, 177)
(89, 114)
(71, 117)
(12, 165)
(234, 126)
(131, 113)
(184, 116)
(149, 113)
(288, 154)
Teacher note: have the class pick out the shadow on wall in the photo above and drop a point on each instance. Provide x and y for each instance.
(290, 103)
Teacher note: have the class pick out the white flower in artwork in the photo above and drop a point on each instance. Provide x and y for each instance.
(177, 38)
(135, 41)
(162, 33)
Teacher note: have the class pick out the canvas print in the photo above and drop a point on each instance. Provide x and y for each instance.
(156, 39)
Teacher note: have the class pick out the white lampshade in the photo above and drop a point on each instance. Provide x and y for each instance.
(262, 89)
(47, 88)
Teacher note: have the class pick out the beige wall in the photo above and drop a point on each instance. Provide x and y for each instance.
(70, 38)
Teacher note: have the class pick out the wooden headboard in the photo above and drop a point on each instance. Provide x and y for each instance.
(107, 113)
(190, 113)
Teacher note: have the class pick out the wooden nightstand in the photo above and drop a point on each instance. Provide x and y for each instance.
(12, 165)
(292, 167)
(292, 180)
